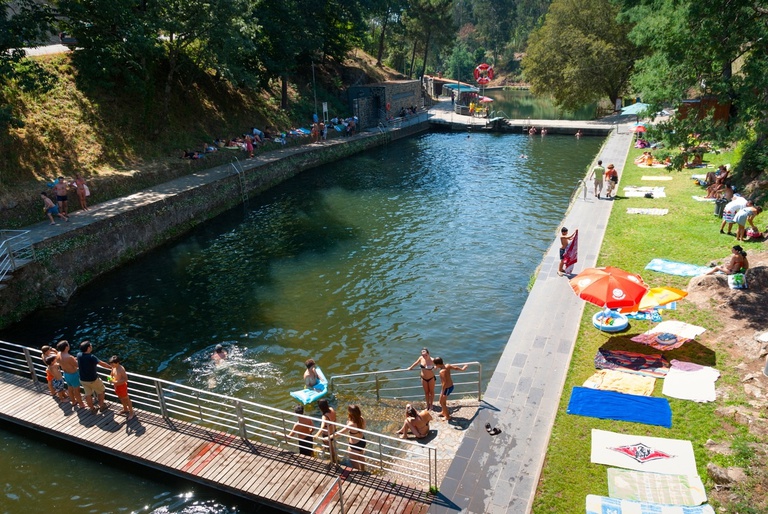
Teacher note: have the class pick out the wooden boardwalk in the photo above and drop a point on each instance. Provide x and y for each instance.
(260, 473)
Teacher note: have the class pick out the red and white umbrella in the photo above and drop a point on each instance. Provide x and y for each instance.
(610, 288)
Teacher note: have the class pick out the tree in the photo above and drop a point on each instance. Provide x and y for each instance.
(580, 54)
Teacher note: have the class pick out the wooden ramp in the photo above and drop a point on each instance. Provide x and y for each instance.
(260, 473)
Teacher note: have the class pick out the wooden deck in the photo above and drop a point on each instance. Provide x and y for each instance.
(260, 473)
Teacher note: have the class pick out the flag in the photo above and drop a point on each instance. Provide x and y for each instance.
(571, 253)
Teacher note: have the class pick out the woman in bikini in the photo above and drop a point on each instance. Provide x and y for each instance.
(415, 422)
(357, 443)
(427, 376)
(327, 428)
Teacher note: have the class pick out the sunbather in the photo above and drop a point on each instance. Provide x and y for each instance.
(735, 264)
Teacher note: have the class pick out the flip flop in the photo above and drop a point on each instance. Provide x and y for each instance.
(494, 431)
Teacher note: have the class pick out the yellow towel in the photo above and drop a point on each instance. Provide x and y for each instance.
(621, 382)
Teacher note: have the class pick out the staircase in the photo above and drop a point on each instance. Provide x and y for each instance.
(15, 251)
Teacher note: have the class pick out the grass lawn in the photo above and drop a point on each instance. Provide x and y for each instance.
(688, 233)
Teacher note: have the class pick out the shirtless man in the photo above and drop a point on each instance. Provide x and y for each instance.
(60, 188)
(71, 375)
(597, 173)
(565, 240)
(734, 264)
(446, 384)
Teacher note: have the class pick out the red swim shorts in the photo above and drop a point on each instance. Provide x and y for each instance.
(121, 390)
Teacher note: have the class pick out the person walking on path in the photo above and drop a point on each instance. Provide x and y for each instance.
(50, 209)
(69, 367)
(612, 176)
(427, 376)
(60, 188)
(446, 384)
(597, 176)
(119, 379)
(89, 379)
(565, 240)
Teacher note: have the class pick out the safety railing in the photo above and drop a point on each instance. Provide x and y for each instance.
(403, 384)
(15, 250)
(390, 456)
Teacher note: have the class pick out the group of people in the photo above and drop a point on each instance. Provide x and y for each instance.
(66, 374)
(600, 175)
(647, 159)
(60, 188)
(741, 212)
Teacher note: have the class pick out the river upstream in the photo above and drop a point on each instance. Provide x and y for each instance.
(430, 241)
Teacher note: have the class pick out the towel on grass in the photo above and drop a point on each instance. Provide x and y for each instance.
(632, 362)
(621, 382)
(641, 191)
(643, 453)
(620, 407)
(650, 340)
(604, 505)
(627, 484)
(652, 315)
(679, 328)
(680, 269)
(699, 176)
(655, 177)
(689, 381)
(652, 212)
(703, 199)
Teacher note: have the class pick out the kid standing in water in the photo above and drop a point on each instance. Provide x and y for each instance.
(564, 240)
(446, 384)
(119, 379)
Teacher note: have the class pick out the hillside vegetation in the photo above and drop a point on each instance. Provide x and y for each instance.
(117, 143)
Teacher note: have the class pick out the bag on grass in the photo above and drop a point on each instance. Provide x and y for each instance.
(737, 281)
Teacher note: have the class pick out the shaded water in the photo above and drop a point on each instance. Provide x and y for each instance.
(429, 241)
(521, 105)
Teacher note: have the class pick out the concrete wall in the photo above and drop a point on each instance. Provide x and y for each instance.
(72, 259)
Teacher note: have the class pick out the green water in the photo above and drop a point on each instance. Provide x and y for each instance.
(429, 241)
(521, 105)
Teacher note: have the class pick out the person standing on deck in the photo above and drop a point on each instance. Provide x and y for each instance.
(90, 380)
(69, 367)
(446, 384)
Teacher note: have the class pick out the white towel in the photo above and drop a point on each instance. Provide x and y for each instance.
(688, 381)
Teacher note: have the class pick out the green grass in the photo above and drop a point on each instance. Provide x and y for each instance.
(688, 233)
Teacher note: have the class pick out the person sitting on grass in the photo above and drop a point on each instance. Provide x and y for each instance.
(734, 265)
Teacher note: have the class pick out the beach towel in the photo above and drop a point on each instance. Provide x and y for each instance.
(621, 382)
(641, 191)
(605, 505)
(699, 176)
(680, 269)
(655, 177)
(679, 328)
(634, 408)
(652, 212)
(670, 342)
(703, 199)
(643, 453)
(689, 381)
(656, 165)
(652, 315)
(627, 484)
(632, 362)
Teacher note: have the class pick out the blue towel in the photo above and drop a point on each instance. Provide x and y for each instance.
(619, 406)
(676, 268)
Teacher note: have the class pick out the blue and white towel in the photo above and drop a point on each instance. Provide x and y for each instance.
(680, 269)
(604, 505)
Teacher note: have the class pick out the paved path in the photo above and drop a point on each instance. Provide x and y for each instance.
(499, 474)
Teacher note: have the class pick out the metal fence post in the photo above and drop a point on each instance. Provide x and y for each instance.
(240, 420)
(341, 499)
(161, 399)
(480, 382)
(30, 365)
(378, 397)
(381, 456)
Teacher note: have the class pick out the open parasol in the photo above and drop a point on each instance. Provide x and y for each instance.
(638, 129)
(656, 297)
(609, 287)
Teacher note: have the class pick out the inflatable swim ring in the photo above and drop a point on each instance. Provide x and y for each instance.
(311, 394)
(610, 321)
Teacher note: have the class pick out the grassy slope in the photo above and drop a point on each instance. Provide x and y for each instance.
(117, 142)
(689, 233)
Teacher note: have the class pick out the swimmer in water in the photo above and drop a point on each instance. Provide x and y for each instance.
(219, 354)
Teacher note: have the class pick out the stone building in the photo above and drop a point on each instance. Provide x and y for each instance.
(374, 103)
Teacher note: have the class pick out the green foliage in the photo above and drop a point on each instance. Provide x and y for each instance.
(460, 64)
(580, 54)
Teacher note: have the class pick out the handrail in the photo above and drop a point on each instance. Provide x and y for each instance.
(388, 455)
(381, 381)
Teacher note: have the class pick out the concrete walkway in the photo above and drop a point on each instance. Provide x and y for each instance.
(499, 474)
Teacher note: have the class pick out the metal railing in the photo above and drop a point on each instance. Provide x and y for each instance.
(392, 383)
(15, 250)
(390, 456)
(241, 179)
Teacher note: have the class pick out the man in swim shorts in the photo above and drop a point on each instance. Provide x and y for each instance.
(446, 384)
(60, 188)
(565, 240)
(89, 379)
(71, 376)
(597, 174)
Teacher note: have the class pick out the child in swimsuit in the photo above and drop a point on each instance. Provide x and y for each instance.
(446, 383)
(327, 428)
(119, 379)
(45, 352)
(357, 443)
(55, 380)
